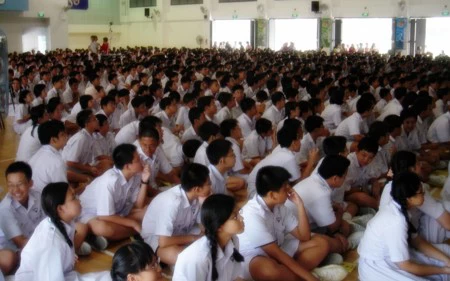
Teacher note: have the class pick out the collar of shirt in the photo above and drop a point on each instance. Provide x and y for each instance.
(16, 205)
(121, 177)
(233, 141)
(352, 157)
(51, 149)
(216, 173)
(141, 153)
(264, 206)
(308, 138)
(186, 203)
(317, 177)
(391, 139)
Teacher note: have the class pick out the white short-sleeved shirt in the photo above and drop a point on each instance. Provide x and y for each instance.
(190, 134)
(218, 181)
(200, 155)
(386, 236)
(37, 101)
(110, 194)
(273, 115)
(113, 119)
(79, 148)
(352, 125)
(127, 117)
(67, 96)
(263, 226)
(236, 111)
(128, 134)
(379, 164)
(28, 145)
(223, 114)
(183, 117)
(20, 113)
(53, 93)
(48, 166)
(307, 145)
(316, 195)
(195, 262)
(440, 129)
(170, 213)
(158, 162)
(439, 108)
(104, 145)
(172, 148)
(166, 121)
(239, 165)
(422, 127)
(332, 116)
(247, 125)
(256, 146)
(352, 103)
(393, 107)
(281, 157)
(409, 142)
(16, 219)
(380, 105)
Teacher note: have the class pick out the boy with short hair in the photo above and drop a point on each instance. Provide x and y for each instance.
(167, 115)
(354, 127)
(274, 112)
(196, 118)
(169, 224)
(247, 118)
(108, 105)
(208, 131)
(313, 139)
(227, 103)
(259, 143)
(137, 111)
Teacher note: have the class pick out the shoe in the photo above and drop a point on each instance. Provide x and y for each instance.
(84, 250)
(437, 180)
(362, 220)
(98, 243)
(330, 273)
(367, 210)
(356, 227)
(333, 258)
(354, 239)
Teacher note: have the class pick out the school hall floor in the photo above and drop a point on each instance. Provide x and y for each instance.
(99, 261)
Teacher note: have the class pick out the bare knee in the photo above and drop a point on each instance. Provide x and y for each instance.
(8, 261)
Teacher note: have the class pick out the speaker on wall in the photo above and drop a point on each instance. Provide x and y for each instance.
(315, 6)
(147, 12)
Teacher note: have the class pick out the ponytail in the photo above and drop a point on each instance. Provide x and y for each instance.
(54, 195)
(36, 113)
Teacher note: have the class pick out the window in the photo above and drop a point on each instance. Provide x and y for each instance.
(301, 32)
(142, 3)
(233, 32)
(363, 33)
(233, 1)
(185, 2)
(436, 36)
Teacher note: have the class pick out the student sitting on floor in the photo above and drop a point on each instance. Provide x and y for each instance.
(259, 143)
(270, 253)
(215, 256)
(247, 118)
(208, 131)
(22, 112)
(114, 203)
(169, 223)
(29, 141)
(196, 118)
(231, 131)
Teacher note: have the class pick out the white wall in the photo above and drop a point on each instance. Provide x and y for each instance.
(15, 24)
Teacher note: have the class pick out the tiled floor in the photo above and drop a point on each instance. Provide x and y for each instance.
(96, 261)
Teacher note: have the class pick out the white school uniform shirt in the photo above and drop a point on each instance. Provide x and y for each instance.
(28, 144)
(37, 101)
(169, 214)
(200, 155)
(157, 162)
(352, 125)
(281, 157)
(247, 125)
(307, 144)
(127, 117)
(263, 226)
(128, 133)
(316, 196)
(380, 163)
(439, 130)
(352, 103)
(113, 119)
(190, 134)
(79, 148)
(166, 121)
(239, 165)
(332, 116)
(67, 96)
(109, 88)
(16, 219)
(195, 262)
(218, 181)
(48, 166)
(249, 92)
(393, 107)
(172, 148)
(422, 127)
(236, 111)
(223, 114)
(380, 105)
(21, 111)
(439, 108)
(104, 145)
(256, 146)
(273, 115)
(53, 93)
(110, 194)
(183, 117)
(409, 141)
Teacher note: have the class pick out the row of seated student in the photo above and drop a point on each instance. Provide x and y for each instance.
(299, 159)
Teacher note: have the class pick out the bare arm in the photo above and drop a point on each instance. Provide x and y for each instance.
(121, 221)
(302, 232)
(167, 241)
(429, 250)
(20, 241)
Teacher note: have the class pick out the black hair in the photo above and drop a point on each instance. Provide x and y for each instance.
(190, 147)
(83, 117)
(276, 97)
(262, 126)
(421, 104)
(227, 126)
(368, 144)
(54, 195)
(193, 175)
(304, 107)
(84, 101)
(246, 104)
(124, 93)
(384, 92)
(203, 102)
(19, 167)
(131, 259)
(333, 165)
(363, 105)
(294, 125)
(402, 161)
(149, 133)
(23, 95)
(36, 113)
(289, 107)
(336, 96)
(49, 130)
(393, 122)
(224, 98)
(378, 130)
(286, 137)
(208, 129)
(400, 93)
(442, 92)
(123, 154)
(405, 185)
(38, 89)
(407, 113)
(262, 96)
(194, 114)
(216, 210)
(313, 122)
(271, 178)
(187, 98)
(138, 101)
(217, 150)
(149, 122)
(333, 145)
(101, 118)
(107, 99)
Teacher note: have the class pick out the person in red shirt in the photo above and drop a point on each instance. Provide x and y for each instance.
(104, 49)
